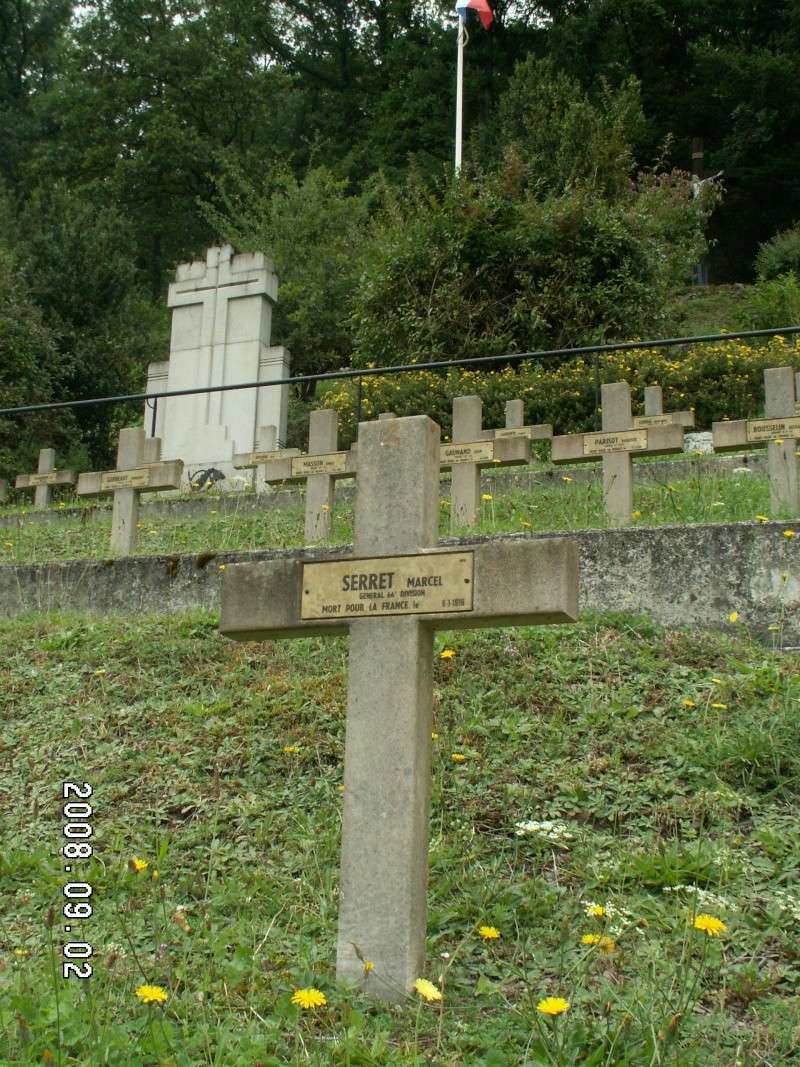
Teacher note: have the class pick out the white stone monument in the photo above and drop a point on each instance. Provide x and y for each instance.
(221, 322)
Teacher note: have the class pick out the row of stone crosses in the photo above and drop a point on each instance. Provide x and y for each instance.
(623, 436)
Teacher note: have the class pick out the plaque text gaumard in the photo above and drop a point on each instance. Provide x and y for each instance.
(429, 584)
(769, 429)
(596, 444)
(467, 453)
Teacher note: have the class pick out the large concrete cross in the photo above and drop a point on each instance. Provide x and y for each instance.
(778, 430)
(323, 464)
(391, 595)
(616, 444)
(138, 471)
(46, 477)
(473, 448)
(654, 412)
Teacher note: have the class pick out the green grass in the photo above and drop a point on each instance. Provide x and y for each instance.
(709, 309)
(667, 759)
(569, 506)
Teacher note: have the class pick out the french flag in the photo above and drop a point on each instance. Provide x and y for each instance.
(485, 13)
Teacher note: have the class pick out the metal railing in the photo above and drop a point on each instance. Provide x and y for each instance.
(409, 368)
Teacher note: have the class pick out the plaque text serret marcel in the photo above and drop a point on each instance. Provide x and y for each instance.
(388, 585)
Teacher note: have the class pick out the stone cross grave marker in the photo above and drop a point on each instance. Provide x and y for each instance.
(654, 412)
(797, 393)
(46, 477)
(396, 589)
(616, 444)
(471, 449)
(138, 471)
(515, 425)
(323, 464)
(778, 430)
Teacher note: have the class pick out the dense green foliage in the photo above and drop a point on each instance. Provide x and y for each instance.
(666, 764)
(135, 132)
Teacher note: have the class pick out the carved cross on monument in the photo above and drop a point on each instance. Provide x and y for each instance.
(323, 464)
(778, 430)
(654, 412)
(616, 444)
(138, 471)
(46, 477)
(473, 448)
(397, 588)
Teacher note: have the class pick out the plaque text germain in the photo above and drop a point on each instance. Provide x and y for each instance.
(431, 584)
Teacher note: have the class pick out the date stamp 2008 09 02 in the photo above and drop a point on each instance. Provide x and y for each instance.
(77, 906)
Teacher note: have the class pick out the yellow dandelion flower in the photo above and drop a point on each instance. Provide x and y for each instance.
(155, 875)
(709, 925)
(590, 939)
(636, 514)
(553, 1006)
(596, 910)
(222, 566)
(733, 617)
(290, 749)
(447, 653)
(486, 496)
(687, 703)
(99, 671)
(523, 523)
(789, 533)
(721, 707)
(457, 757)
(151, 994)
(716, 681)
(762, 518)
(136, 866)
(368, 966)
(309, 998)
(434, 736)
(489, 933)
(565, 478)
(427, 990)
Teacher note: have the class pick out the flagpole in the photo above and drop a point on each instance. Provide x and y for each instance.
(462, 33)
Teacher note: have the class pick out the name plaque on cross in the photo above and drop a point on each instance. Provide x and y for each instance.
(771, 429)
(328, 463)
(388, 585)
(474, 452)
(642, 422)
(254, 458)
(133, 479)
(44, 479)
(597, 444)
(520, 431)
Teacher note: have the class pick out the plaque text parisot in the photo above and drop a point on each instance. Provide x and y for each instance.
(393, 585)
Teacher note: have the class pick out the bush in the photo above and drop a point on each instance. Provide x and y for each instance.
(772, 303)
(717, 381)
(780, 255)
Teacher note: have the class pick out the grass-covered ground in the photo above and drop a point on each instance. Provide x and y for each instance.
(571, 505)
(664, 764)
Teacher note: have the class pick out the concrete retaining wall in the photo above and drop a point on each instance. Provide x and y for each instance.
(677, 575)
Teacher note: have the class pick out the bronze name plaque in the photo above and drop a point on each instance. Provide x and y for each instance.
(770, 429)
(797, 407)
(388, 585)
(477, 452)
(43, 479)
(641, 422)
(330, 463)
(266, 457)
(522, 431)
(597, 444)
(133, 479)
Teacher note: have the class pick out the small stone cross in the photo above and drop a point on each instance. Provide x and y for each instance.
(654, 412)
(138, 471)
(473, 448)
(616, 444)
(391, 595)
(323, 464)
(46, 477)
(778, 430)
